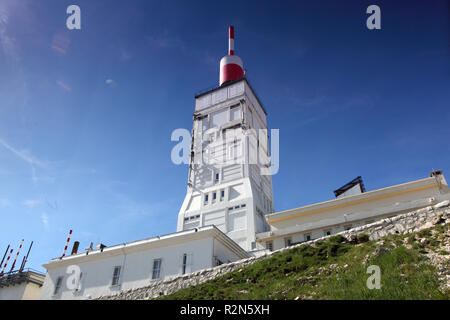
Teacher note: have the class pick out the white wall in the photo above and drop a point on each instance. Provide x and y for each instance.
(14, 292)
(136, 270)
(241, 177)
(363, 210)
(32, 291)
(338, 218)
(224, 254)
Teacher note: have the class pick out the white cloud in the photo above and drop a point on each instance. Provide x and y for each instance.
(29, 158)
(110, 82)
(24, 155)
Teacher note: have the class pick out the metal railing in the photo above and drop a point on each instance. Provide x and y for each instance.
(18, 276)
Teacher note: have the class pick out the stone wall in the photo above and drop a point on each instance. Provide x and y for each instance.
(401, 224)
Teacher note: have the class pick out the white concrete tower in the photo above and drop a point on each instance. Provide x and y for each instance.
(229, 184)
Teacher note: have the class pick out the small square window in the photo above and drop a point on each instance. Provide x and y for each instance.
(269, 245)
(307, 237)
(327, 232)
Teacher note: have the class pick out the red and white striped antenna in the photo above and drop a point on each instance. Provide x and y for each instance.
(18, 251)
(230, 40)
(65, 248)
(6, 263)
(231, 66)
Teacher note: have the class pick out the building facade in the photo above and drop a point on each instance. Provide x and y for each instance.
(21, 285)
(228, 184)
(350, 211)
(107, 270)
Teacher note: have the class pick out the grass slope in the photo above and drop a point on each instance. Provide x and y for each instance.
(335, 269)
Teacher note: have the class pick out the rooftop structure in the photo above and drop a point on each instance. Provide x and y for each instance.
(21, 285)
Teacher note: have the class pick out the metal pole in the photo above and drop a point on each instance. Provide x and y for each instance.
(17, 255)
(22, 264)
(26, 257)
(65, 248)
(9, 256)
(6, 252)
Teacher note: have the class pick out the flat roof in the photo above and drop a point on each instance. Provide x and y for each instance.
(17, 277)
(153, 242)
(352, 199)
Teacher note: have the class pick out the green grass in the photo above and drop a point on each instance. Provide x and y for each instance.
(304, 273)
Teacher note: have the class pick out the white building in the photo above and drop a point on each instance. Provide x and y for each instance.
(105, 271)
(226, 186)
(350, 211)
(229, 185)
(21, 285)
(228, 211)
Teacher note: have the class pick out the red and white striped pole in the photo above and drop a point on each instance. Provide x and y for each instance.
(231, 40)
(17, 255)
(1, 273)
(68, 239)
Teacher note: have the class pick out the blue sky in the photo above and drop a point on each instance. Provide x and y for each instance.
(86, 115)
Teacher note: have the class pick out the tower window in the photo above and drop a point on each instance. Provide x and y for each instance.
(235, 113)
(216, 178)
(222, 194)
(269, 245)
(214, 195)
(206, 199)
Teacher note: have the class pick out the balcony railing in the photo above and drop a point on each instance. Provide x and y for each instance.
(18, 276)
